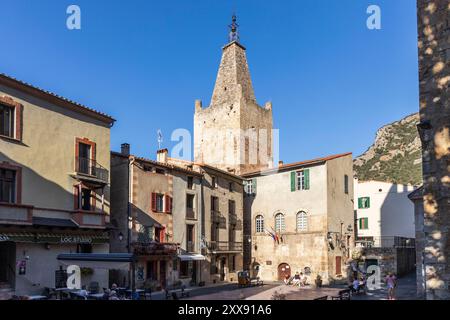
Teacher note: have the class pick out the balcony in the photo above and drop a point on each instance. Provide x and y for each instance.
(89, 170)
(190, 247)
(217, 218)
(15, 214)
(225, 246)
(155, 248)
(190, 214)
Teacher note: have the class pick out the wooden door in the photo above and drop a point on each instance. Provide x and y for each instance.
(284, 270)
(338, 266)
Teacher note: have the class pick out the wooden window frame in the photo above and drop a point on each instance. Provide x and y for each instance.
(18, 181)
(77, 200)
(18, 117)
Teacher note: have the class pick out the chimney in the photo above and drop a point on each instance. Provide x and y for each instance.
(161, 155)
(125, 149)
(280, 163)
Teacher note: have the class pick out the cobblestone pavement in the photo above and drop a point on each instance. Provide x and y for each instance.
(406, 290)
(229, 291)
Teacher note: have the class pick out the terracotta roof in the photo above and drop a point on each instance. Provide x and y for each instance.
(161, 164)
(53, 98)
(207, 166)
(297, 164)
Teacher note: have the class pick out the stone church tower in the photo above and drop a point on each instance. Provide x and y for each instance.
(234, 133)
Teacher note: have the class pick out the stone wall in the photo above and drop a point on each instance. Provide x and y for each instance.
(434, 73)
(400, 261)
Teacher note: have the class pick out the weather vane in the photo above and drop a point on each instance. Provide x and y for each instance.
(234, 35)
(160, 138)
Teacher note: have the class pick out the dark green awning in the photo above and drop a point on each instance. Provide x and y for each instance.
(55, 238)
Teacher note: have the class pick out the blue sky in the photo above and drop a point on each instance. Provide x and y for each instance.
(332, 81)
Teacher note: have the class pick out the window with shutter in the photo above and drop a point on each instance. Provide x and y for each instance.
(364, 202)
(293, 182)
(254, 186)
(307, 180)
(168, 200)
(154, 202)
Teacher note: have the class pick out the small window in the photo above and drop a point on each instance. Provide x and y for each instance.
(231, 207)
(300, 180)
(364, 203)
(280, 223)
(346, 184)
(250, 187)
(214, 182)
(190, 199)
(230, 187)
(159, 202)
(7, 186)
(302, 221)
(86, 199)
(259, 223)
(364, 223)
(190, 183)
(6, 121)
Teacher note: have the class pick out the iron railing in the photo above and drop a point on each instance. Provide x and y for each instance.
(225, 246)
(190, 246)
(386, 242)
(91, 168)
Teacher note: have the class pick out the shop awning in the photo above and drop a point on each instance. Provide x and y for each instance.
(55, 238)
(191, 257)
(109, 261)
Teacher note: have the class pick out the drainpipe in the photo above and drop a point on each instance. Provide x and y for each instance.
(130, 185)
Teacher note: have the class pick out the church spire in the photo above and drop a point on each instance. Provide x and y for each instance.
(233, 80)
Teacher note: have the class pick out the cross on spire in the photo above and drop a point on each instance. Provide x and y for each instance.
(234, 34)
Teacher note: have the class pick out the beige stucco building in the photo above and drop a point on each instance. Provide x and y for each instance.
(54, 176)
(299, 218)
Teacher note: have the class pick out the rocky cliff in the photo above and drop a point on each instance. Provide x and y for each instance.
(395, 156)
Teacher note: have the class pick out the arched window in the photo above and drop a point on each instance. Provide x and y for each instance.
(259, 223)
(302, 221)
(279, 223)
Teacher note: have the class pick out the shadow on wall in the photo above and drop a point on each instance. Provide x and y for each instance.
(39, 191)
(397, 213)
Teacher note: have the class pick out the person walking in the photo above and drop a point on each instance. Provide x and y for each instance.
(391, 282)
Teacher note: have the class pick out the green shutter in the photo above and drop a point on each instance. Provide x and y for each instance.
(368, 202)
(306, 172)
(359, 203)
(293, 184)
(254, 186)
(360, 224)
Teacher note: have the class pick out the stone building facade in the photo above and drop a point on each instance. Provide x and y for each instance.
(300, 218)
(162, 202)
(434, 129)
(54, 185)
(234, 133)
(221, 222)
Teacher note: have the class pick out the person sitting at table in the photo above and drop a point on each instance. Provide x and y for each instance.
(303, 279)
(114, 287)
(297, 279)
(113, 295)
